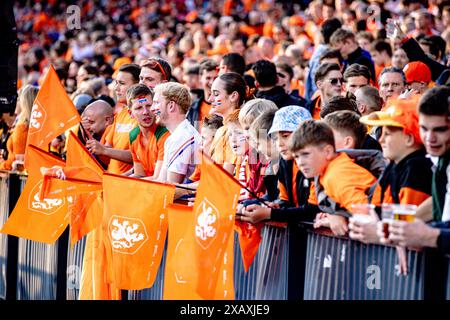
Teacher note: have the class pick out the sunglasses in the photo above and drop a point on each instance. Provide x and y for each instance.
(154, 65)
(335, 81)
(281, 75)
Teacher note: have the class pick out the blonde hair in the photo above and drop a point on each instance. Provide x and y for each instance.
(177, 93)
(26, 98)
(253, 108)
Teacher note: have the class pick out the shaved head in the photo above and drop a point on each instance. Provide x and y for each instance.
(99, 106)
(96, 117)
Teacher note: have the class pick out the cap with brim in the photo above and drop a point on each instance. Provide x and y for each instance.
(401, 113)
(288, 118)
(380, 119)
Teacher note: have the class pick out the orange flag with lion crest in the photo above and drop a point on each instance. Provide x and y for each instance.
(35, 219)
(207, 235)
(135, 228)
(52, 114)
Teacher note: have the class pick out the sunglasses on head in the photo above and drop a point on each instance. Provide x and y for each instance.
(154, 65)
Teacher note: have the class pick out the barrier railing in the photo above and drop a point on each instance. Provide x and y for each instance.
(343, 269)
(447, 294)
(4, 212)
(291, 264)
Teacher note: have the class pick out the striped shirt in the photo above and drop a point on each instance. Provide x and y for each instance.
(181, 149)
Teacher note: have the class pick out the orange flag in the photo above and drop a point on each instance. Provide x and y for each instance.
(52, 114)
(210, 228)
(135, 227)
(249, 240)
(87, 212)
(81, 180)
(181, 273)
(79, 156)
(33, 219)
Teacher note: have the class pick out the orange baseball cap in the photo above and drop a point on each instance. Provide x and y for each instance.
(399, 113)
(417, 71)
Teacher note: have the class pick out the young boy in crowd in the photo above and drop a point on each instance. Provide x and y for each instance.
(349, 132)
(240, 147)
(292, 185)
(407, 178)
(257, 166)
(148, 138)
(210, 125)
(266, 146)
(338, 181)
(294, 188)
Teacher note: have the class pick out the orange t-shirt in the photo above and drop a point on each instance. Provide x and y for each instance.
(105, 134)
(346, 182)
(119, 138)
(147, 153)
(16, 144)
(220, 150)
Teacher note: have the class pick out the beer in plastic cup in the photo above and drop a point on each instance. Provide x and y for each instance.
(405, 212)
(387, 215)
(362, 209)
(361, 212)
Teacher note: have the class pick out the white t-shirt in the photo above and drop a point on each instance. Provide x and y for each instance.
(181, 149)
(446, 213)
(446, 209)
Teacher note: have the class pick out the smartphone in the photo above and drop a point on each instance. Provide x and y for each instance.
(391, 29)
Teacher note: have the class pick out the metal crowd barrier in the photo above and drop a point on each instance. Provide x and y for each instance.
(74, 266)
(343, 269)
(291, 264)
(272, 274)
(244, 282)
(262, 281)
(447, 294)
(36, 269)
(4, 212)
(41, 268)
(10, 188)
(29, 270)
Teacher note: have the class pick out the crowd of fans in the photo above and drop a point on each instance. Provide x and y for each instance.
(314, 106)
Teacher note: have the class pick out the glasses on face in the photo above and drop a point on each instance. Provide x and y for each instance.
(154, 65)
(335, 81)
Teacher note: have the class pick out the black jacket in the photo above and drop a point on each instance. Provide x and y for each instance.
(412, 172)
(415, 53)
(358, 57)
(280, 97)
(194, 112)
(290, 213)
(443, 241)
(371, 144)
